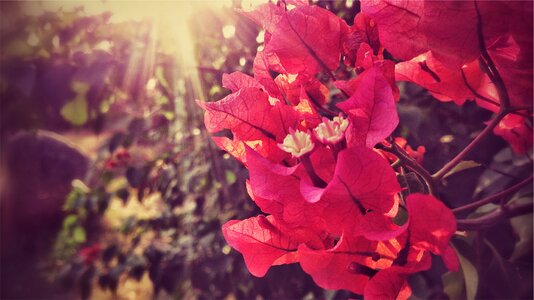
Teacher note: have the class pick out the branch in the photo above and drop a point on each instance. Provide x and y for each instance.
(456, 160)
(486, 59)
(504, 99)
(413, 165)
(495, 217)
(495, 197)
(477, 95)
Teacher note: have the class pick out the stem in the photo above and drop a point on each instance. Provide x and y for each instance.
(493, 198)
(503, 97)
(486, 59)
(477, 95)
(514, 109)
(456, 160)
(325, 110)
(495, 217)
(413, 165)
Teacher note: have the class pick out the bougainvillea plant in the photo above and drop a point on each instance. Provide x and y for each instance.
(328, 173)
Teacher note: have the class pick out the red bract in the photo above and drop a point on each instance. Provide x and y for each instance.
(371, 110)
(443, 83)
(238, 80)
(417, 154)
(447, 28)
(304, 40)
(514, 62)
(240, 111)
(443, 43)
(363, 33)
(391, 283)
(398, 26)
(347, 266)
(363, 181)
(514, 130)
(331, 197)
(264, 242)
(90, 253)
(431, 225)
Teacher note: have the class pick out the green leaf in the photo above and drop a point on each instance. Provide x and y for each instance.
(470, 276)
(79, 234)
(462, 166)
(523, 228)
(412, 183)
(80, 87)
(453, 284)
(70, 221)
(75, 111)
(230, 177)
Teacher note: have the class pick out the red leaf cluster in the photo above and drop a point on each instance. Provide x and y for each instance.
(441, 43)
(331, 199)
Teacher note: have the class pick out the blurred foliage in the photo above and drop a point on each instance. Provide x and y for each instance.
(147, 215)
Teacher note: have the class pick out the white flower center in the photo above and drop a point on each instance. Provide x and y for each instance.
(297, 143)
(331, 131)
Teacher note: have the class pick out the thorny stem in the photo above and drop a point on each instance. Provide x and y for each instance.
(496, 216)
(495, 197)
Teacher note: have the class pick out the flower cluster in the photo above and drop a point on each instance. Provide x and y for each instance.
(332, 200)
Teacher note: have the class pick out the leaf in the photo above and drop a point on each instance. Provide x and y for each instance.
(78, 234)
(463, 165)
(230, 177)
(411, 183)
(371, 110)
(136, 175)
(115, 141)
(75, 111)
(70, 221)
(523, 228)
(453, 284)
(509, 167)
(470, 277)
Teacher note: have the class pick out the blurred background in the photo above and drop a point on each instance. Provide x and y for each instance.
(111, 188)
